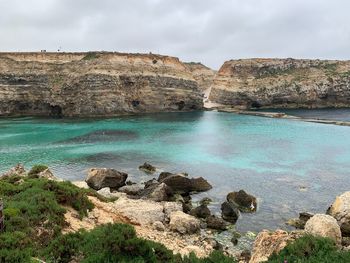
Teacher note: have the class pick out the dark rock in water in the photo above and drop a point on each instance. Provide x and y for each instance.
(184, 185)
(234, 241)
(104, 136)
(147, 168)
(133, 189)
(245, 202)
(300, 222)
(205, 201)
(201, 211)
(200, 184)
(163, 175)
(217, 223)
(229, 212)
(99, 178)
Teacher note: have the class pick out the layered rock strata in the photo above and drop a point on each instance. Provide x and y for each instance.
(94, 84)
(282, 83)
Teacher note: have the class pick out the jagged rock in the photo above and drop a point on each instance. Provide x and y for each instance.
(340, 210)
(170, 207)
(133, 189)
(18, 170)
(160, 193)
(47, 174)
(229, 212)
(106, 192)
(217, 223)
(184, 185)
(244, 202)
(99, 178)
(148, 168)
(324, 226)
(159, 226)
(184, 223)
(152, 182)
(300, 222)
(201, 211)
(163, 175)
(268, 243)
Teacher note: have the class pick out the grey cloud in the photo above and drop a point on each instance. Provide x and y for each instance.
(210, 31)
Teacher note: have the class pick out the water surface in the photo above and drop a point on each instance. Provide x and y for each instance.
(290, 166)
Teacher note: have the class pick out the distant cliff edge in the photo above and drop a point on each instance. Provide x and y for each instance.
(94, 84)
(282, 83)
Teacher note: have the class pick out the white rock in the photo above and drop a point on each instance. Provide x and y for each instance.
(184, 223)
(324, 226)
(340, 210)
(81, 184)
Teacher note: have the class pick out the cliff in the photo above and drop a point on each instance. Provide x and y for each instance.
(282, 83)
(94, 84)
(203, 75)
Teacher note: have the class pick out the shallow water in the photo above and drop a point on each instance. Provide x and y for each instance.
(290, 166)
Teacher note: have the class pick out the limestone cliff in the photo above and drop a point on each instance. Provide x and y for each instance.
(203, 75)
(94, 84)
(282, 83)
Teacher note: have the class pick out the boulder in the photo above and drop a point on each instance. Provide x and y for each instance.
(205, 201)
(133, 189)
(18, 170)
(151, 182)
(170, 207)
(81, 184)
(160, 193)
(159, 226)
(245, 202)
(147, 168)
(184, 185)
(184, 223)
(99, 178)
(268, 243)
(106, 192)
(340, 210)
(229, 212)
(163, 175)
(217, 223)
(300, 222)
(324, 226)
(201, 211)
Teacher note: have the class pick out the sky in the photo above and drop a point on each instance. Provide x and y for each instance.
(207, 31)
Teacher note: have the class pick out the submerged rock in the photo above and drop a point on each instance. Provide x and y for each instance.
(99, 178)
(147, 168)
(184, 223)
(229, 212)
(201, 211)
(245, 202)
(324, 226)
(340, 210)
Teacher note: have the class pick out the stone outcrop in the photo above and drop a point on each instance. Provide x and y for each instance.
(183, 223)
(324, 226)
(282, 83)
(340, 210)
(99, 178)
(94, 84)
(268, 243)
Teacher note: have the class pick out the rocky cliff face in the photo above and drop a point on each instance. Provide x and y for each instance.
(203, 75)
(282, 83)
(94, 84)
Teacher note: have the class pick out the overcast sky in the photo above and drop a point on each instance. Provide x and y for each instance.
(209, 31)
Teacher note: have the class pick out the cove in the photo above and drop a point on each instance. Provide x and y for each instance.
(290, 166)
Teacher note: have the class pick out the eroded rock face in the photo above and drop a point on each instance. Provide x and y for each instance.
(18, 170)
(268, 243)
(324, 226)
(94, 84)
(202, 74)
(282, 83)
(99, 178)
(340, 210)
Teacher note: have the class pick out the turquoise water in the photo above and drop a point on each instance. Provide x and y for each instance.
(290, 166)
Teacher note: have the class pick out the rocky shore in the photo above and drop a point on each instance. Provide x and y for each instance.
(161, 210)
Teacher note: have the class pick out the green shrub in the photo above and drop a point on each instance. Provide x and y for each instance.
(311, 249)
(36, 169)
(90, 56)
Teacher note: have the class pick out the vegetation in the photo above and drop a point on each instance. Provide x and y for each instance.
(90, 56)
(310, 249)
(34, 219)
(37, 169)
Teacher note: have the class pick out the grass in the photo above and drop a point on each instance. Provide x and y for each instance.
(37, 169)
(311, 249)
(34, 219)
(90, 56)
